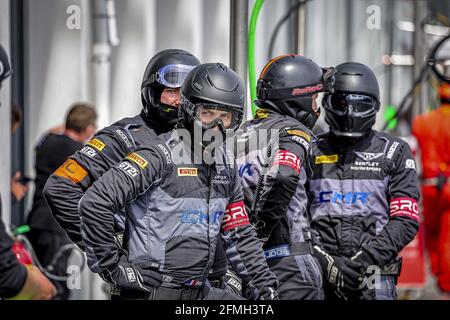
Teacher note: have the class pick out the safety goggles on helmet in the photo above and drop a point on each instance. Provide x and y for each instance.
(171, 75)
(213, 114)
(358, 104)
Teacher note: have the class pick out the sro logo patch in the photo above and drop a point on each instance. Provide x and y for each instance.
(405, 207)
(287, 158)
(235, 216)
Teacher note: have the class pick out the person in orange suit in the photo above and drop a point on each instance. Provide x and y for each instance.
(432, 131)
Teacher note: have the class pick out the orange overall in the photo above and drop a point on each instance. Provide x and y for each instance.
(432, 131)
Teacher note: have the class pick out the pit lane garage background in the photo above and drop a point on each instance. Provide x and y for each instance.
(61, 52)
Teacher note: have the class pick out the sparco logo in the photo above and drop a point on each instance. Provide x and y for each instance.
(234, 283)
(166, 153)
(277, 252)
(392, 150)
(312, 89)
(124, 138)
(130, 274)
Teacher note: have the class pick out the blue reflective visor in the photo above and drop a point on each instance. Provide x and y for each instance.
(173, 75)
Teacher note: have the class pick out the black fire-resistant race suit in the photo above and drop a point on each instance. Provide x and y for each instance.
(66, 186)
(175, 213)
(363, 204)
(271, 153)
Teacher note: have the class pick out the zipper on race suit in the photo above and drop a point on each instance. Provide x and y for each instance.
(210, 256)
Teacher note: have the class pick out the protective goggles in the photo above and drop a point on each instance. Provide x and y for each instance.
(171, 75)
(211, 115)
(343, 103)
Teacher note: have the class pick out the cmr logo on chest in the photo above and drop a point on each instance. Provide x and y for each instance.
(345, 198)
(200, 217)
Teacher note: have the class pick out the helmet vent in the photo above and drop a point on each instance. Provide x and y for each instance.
(198, 86)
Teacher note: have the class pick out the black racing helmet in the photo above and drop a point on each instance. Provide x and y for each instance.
(351, 110)
(212, 93)
(287, 85)
(5, 68)
(168, 68)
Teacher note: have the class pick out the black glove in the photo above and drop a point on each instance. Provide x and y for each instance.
(232, 282)
(132, 277)
(268, 293)
(341, 272)
(364, 260)
(118, 237)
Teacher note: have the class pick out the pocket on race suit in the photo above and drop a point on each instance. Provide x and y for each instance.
(186, 256)
(314, 273)
(316, 270)
(382, 289)
(299, 277)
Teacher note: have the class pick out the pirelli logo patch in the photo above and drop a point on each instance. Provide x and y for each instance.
(71, 170)
(97, 144)
(141, 162)
(326, 159)
(300, 133)
(187, 172)
(261, 114)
